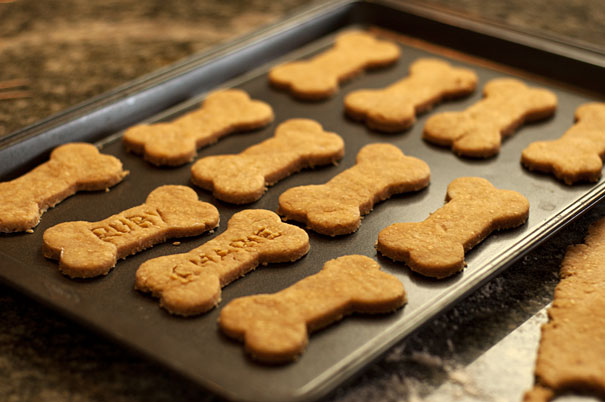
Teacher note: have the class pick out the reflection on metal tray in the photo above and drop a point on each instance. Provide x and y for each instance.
(194, 347)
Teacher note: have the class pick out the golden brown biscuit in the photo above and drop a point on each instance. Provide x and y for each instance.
(275, 327)
(577, 155)
(72, 167)
(88, 249)
(335, 208)
(477, 132)
(571, 355)
(318, 78)
(191, 283)
(436, 246)
(394, 108)
(538, 394)
(175, 143)
(243, 178)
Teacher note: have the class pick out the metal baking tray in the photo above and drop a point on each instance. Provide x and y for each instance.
(194, 347)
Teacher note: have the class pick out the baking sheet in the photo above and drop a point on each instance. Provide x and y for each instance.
(195, 347)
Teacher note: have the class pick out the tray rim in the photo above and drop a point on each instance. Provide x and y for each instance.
(554, 43)
(558, 222)
(535, 39)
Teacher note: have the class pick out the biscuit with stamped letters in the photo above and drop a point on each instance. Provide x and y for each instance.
(335, 208)
(571, 355)
(275, 327)
(577, 155)
(477, 132)
(89, 249)
(244, 177)
(394, 108)
(318, 78)
(71, 168)
(190, 283)
(176, 143)
(436, 246)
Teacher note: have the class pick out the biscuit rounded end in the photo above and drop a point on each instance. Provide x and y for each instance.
(80, 253)
(272, 331)
(192, 298)
(19, 213)
(181, 209)
(182, 287)
(88, 168)
(424, 251)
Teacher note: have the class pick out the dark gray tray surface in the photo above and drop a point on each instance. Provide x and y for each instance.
(195, 347)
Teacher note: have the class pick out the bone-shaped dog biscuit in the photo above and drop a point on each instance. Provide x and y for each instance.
(88, 249)
(243, 178)
(72, 167)
(318, 78)
(577, 155)
(275, 326)
(335, 208)
(436, 247)
(190, 283)
(394, 108)
(571, 354)
(176, 143)
(478, 131)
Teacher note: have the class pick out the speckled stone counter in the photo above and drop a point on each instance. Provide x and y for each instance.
(481, 350)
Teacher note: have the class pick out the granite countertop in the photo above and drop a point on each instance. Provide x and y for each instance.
(67, 51)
